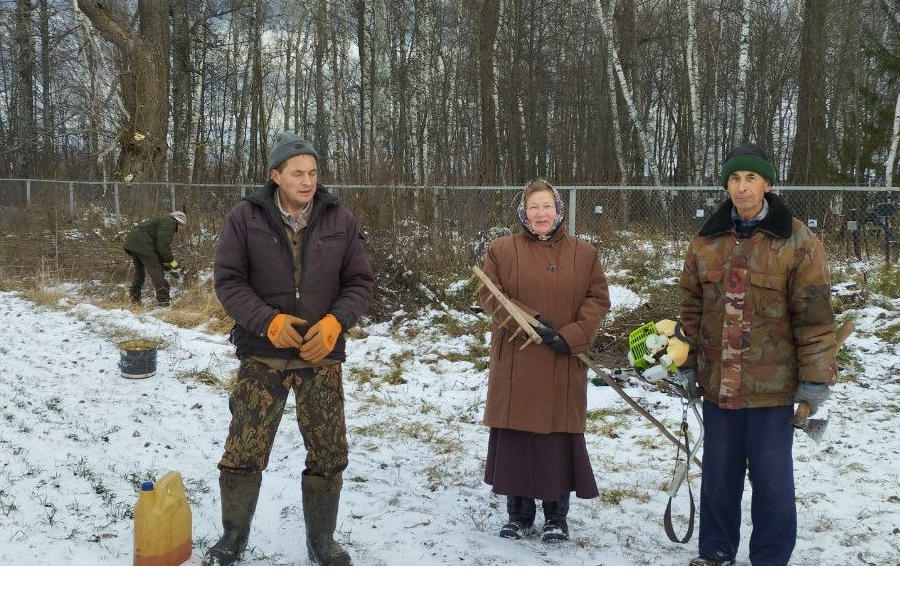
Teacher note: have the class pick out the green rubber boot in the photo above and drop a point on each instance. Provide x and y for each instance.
(320, 508)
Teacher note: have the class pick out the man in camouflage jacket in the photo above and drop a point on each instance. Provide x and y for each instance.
(756, 306)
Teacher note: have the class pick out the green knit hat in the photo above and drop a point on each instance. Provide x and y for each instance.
(747, 157)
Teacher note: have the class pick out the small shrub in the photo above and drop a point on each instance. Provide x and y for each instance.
(886, 281)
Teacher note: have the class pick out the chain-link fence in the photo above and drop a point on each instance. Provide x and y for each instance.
(65, 226)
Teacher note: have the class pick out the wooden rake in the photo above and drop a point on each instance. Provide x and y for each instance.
(525, 325)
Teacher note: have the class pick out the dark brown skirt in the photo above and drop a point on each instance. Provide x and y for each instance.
(536, 465)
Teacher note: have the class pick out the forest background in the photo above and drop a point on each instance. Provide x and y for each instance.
(449, 91)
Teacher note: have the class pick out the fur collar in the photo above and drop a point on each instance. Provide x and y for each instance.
(778, 222)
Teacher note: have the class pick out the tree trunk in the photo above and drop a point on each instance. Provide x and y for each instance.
(23, 124)
(892, 155)
(144, 85)
(626, 93)
(693, 153)
(181, 90)
(199, 142)
(48, 120)
(488, 20)
(362, 170)
(614, 108)
(809, 159)
(258, 151)
(320, 49)
(740, 104)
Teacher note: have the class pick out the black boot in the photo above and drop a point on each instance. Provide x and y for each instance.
(555, 527)
(521, 517)
(240, 491)
(320, 507)
(163, 298)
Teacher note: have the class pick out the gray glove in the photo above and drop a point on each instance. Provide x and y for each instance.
(690, 383)
(814, 394)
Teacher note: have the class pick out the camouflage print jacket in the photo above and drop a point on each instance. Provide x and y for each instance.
(757, 309)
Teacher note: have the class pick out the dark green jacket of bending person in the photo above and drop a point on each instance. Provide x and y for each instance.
(153, 236)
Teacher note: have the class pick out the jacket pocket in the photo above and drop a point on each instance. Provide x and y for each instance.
(332, 240)
(767, 291)
(711, 282)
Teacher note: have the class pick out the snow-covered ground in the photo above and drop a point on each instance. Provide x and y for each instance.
(77, 438)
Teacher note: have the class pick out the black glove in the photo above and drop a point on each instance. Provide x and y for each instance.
(554, 341)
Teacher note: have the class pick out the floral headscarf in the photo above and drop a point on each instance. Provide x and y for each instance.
(536, 185)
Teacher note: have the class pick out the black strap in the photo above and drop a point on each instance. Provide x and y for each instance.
(667, 520)
(667, 517)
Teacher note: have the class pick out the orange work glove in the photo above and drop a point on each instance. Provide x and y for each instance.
(281, 331)
(320, 339)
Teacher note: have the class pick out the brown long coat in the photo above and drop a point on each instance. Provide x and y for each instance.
(536, 389)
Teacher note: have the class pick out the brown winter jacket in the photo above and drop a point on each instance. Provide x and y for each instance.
(254, 270)
(536, 389)
(757, 309)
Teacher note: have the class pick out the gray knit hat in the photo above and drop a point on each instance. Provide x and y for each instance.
(747, 157)
(286, 145)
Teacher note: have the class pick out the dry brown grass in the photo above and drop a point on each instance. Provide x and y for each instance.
(198, 306)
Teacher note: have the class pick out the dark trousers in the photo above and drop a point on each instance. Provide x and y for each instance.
(148, 265)
(760, 439)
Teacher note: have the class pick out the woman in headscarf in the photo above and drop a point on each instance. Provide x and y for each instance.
(537, 395)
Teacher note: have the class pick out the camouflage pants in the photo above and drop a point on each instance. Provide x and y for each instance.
(256, 406)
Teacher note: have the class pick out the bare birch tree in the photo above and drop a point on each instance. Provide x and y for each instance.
(693, 84)
(740, 104)
(649, 169)
(890, 166)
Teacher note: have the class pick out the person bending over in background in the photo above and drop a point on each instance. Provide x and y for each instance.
(291, 269)
(537, 396)
(149, 244)
(757, 308)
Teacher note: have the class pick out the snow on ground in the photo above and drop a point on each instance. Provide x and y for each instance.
(77, 438)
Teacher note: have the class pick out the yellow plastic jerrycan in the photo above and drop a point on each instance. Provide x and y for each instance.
(162, 522)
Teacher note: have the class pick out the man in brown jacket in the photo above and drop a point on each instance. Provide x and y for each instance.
(757, 308)
(291, 269)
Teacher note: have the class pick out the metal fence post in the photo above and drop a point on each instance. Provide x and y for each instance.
(573, 201)
(27, 192)
(116, 202)
(71, 200)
